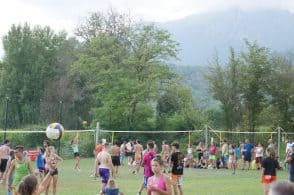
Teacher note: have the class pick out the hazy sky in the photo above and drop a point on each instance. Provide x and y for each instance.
(65, 14)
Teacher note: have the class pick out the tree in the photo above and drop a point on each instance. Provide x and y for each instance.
(256, 64)
(280, 86)
(29, 65)
(133, 64)
(225, 87)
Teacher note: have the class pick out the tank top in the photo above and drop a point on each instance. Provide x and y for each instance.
(160, 183)
(75, 148)
(20, 171)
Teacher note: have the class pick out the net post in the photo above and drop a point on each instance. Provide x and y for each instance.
(112, 136)
(190, 138)
(279, 141)
(97, 133)
(206, 137)
(220, 138)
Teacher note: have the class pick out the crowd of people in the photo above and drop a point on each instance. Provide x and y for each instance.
(163, 168)
(18, 173)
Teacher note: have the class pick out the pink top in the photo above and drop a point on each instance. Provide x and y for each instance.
(160, 183)
(147, 163)
(212, 150)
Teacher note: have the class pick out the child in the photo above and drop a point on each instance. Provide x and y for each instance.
(111, 189)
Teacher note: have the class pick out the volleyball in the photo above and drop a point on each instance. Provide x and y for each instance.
(55, 131)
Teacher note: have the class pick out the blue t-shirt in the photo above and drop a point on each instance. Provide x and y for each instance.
(111, 191)
(248, 147)
(292, 164)
(40, 161)
(237, 152)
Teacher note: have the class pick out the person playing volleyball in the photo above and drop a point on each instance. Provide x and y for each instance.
(159, 183)
(52, 162)
(115, 154)
(104, 159)
(19, 167)
(138, 149)
(177, 172)
(75, 148)
(165, 154)
(269, 170)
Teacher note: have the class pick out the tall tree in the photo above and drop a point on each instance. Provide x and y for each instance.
(30, 62)
(256, 63)
(280, 86)
(132, 64)
(225, 87)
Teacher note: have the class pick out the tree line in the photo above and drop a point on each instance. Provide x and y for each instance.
(118, 72)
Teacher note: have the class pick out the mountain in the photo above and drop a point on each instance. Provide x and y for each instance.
(201, 36)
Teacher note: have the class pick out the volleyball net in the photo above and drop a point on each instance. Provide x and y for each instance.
(33, 139)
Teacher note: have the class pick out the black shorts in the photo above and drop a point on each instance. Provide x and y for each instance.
(128, 153)
(200, 155)
(76, 154)
(52, 172)
(3, 165)
(115, 160)
(247, 158)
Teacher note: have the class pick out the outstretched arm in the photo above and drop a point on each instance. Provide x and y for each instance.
(45, 182)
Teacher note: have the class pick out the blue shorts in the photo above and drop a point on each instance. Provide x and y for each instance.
(146, 181)
(104, 174)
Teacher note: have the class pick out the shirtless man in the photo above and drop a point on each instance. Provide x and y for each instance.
(115, 153)
(105, 166)
(122, 152)
(4, 156)
(165, 153)
(138, 149)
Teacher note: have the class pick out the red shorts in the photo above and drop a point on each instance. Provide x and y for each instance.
(258, 159)
(268, 179)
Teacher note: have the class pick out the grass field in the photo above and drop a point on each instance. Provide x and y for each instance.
(196, 181)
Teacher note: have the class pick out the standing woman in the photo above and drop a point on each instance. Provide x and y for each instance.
(189, 163)
(159, 183)
(200, 150)
(75, 148)
(258, 155)
(53, 160)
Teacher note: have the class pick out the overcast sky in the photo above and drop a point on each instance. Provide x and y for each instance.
(65, 14)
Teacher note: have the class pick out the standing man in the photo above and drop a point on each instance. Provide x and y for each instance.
(148, 156)
(225, 153)
(177, 163)
(290, 160)
(138, 149)
(165, 154)
(20, 166)
(248, 147)
(4, 156)
(115, 153)
(122, 152)
(104, 159)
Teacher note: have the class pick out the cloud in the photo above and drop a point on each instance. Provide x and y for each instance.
(65, 14)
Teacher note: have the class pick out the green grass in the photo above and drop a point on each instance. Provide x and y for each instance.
(196, 181)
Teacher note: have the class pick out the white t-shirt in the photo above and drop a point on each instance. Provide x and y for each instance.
(259, 152)
(289, 146)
